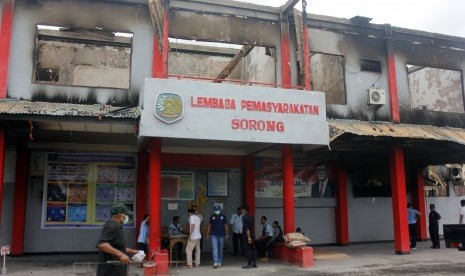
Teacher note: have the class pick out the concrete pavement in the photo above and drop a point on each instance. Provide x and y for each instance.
(366, 259)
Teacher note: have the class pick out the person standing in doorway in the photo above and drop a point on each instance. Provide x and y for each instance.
(248, 237)
(412, 215)
(112, 245)
(434, 218)
(236, 229)
(194, 238)
(218, 228)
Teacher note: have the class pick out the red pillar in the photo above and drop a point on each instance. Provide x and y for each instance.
(160, 58)
(19, 207)
(287, 162)
(2, 168)
(399, 201)
(250, 184)
(418, 202)
(392, 81)
(5, 40)
(288, 189)
(155, 194)
(306, 48)
(142, 169)
(285, 55)
(342, 217)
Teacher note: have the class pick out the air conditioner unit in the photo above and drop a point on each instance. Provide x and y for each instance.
(456, 173)
(376, 97)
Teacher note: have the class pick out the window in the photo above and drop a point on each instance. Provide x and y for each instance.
(327, 72)
(370, 66)
(82, 57)
(435, 89)
(232, 62)
(370, 180)
(436, 179)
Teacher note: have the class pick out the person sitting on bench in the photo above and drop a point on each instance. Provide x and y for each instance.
(277, 238)
(267, 234)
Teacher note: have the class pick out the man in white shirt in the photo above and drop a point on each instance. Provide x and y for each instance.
(194, 238)
(462, 212)
(236, 228)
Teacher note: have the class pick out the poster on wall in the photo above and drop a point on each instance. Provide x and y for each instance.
(311, 179)
(217, 184)
(81, 188)
(177, 185)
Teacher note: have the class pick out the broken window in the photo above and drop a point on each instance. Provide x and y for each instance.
(435, 89)
(82, 57)
(218, 62)
(370, 179)
(436, 179)
(327, 72)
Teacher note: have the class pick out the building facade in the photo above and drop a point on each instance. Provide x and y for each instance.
(317, 122)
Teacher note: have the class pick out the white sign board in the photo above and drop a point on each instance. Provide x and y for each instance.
(5, 250)
(229, 112)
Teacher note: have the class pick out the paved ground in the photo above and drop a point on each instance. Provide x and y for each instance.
(366, 259)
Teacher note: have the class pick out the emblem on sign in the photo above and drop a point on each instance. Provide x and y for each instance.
(169, 107)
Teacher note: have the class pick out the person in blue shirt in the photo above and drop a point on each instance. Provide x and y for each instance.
(412, 215)
(175, 229)
(218, 228)
(143, 234)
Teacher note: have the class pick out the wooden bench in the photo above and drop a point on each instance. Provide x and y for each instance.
(300, 256)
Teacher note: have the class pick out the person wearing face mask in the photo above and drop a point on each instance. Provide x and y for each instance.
(218, 227)
(112, 245)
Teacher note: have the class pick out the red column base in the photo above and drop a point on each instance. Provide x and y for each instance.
(160, 265)
(301, 256)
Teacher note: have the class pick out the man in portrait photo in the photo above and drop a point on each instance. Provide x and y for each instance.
(323, 187)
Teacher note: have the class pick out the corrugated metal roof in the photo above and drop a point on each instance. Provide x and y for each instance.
(16, 107)
(381, 129)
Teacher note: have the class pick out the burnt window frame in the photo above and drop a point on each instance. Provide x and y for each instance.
(80, 40)
(434, 67)
(343, 76)
(270, 51)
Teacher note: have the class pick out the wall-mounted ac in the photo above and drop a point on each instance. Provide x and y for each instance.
(376, 97)
(456, 173)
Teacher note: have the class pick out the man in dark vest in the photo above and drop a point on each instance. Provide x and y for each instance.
(112, 245)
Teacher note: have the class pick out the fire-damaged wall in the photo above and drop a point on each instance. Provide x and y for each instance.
(208, 62)
(86, 15)
(81, 64)
(201, 63)
(440, 91)
(345, 51)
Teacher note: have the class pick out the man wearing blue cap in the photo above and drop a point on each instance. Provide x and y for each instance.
(218, 227)
(112, 244)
